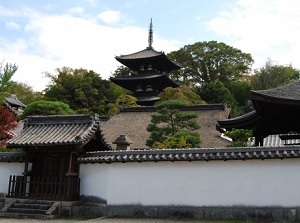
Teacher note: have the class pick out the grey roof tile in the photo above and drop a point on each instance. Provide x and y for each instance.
(191, 154)
(288, 92)
(56, 130)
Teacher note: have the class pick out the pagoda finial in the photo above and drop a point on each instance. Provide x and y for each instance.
(150, 37)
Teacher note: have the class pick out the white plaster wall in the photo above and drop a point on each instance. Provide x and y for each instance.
(7, 169)
(94, 180)
(197, 183)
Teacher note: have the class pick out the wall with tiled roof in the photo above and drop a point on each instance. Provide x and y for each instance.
(248, 177)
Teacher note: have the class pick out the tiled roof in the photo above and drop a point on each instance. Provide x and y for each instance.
(12, 156)
(191, 155)
(56, 130)
(288, 92)
(158, 60)
(146, 53)
(12, 100)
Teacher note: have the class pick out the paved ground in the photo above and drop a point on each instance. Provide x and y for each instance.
(101, 220)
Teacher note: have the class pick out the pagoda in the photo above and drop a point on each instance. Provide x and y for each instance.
(150, 73)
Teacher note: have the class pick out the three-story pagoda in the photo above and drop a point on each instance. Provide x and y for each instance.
(150, 73)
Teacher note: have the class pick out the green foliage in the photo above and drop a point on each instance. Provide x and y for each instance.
(6, 73)
(24, 93)
(121, 102)
(182, 93)
(216, 92)
(122, 71)
(79, 88)
(273, 75)
(47, 108)
(240, 90)
(115, 90)
(240, 137)
(170, 120)
(181, 139)
(204, 62)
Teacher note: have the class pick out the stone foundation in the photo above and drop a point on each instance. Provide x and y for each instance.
(208, 213)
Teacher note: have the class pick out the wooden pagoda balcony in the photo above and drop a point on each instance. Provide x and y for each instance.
(45, 188)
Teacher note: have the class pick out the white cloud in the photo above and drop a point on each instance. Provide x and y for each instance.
(75, 10)
(110, 16)
(63, 40)
(6, 12)
(12, 25)
(264, 28)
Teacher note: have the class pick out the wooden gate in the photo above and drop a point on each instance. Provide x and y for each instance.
(47, 188)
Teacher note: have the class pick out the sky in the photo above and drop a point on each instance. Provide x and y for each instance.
(41, 36)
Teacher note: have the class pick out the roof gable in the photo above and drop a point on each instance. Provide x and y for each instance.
(57, 130)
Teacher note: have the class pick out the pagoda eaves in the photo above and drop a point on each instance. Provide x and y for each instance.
(149, 56)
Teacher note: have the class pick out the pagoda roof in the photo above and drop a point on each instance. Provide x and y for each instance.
(157, 81)
(148, 56)
(59, 130)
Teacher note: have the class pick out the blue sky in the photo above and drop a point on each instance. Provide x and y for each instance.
(40, 36)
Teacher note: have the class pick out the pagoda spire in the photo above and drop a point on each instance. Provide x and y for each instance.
(150, 37)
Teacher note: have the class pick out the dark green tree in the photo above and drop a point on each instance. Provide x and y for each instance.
(79, 88)
(47, 108)
(216, 92)
(204, 62)
(273, 75)
(240, 90)
(240, 137)
(170, 120)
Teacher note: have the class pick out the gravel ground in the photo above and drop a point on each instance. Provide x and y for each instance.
(101, 220)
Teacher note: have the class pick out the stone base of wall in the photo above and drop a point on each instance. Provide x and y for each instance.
(2, 200)
(209, 213)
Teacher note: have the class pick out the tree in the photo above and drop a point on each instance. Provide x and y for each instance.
(204, 62)
(273, 75)
(240, 137)
(182, 93)
(8, 122)
(79, 88)
(240, 90)
(122, 71)
(216, 92)
(181, 139)
(121, 102)
(24, 92)
(47, 108)
(6, 72)
(115, 90)
(169, 121)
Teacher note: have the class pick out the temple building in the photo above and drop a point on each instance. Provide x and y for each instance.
(276, 113)
(150, 73)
